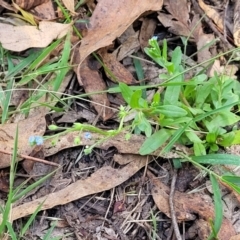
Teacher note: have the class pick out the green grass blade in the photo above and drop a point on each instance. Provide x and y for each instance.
(215, 159)
(31, 187)
(5, 100)
(30, 220)
(11, 231)
(218, 207)
(63, 63)
(7, 208)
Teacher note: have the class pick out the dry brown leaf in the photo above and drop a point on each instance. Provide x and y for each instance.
(34, 126)
(28, 4)
(236, 25)
(69, 4)
(147, 30)
(103, 179)
(129, 45)
(177, 21)
(45, 11)
(212, 14)
(110, 19)
(132, 146)
(187, 206)
(119, 72)
(92, 82)
(19, 38)
(236, 237)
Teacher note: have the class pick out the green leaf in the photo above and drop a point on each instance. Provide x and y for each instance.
(232, 179)
(172, 93)
(171, 111)
(193, 137)
(199, 149)
(236, 137)
(134, 102)
(155, 141)
(218, 207)
(227, 139)
(224, 118)
(218, 158)
(126, 92)
(176, 58)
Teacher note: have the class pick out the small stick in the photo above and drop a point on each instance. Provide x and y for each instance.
(32, 158)
(171, 204)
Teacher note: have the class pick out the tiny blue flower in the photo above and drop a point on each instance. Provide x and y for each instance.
(31, 140)
(154, 38)
(87, 135)
(39, 140)
(35, 140)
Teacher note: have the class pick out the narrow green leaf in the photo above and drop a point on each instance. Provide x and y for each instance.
(232, 179)
(199, 149)
(126, 92)
(218, 207)
(218, 158)
(134, 102)
(155, 141)
(171, 111)
(172, 93)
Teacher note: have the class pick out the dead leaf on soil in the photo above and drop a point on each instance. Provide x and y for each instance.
(187, 206)
(28, 4)
(44, 11)
(129, 44)
(212, 13)
(178, 19)
(69, 4)
(92, 82)
(110, 19)
(19, 38)
(120, 73)
(34, 126)
(147, 30)
(123, 146)
(103, 179)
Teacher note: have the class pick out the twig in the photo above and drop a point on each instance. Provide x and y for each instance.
(31, 158)
(171, 204)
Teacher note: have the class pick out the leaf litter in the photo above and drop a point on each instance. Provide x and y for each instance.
(107, 23)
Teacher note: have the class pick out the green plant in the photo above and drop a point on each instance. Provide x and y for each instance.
(14, 195)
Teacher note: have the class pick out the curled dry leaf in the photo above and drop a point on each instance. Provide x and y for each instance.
(19, 38)
(147, 30)
(119, 142)
(118, 72)
(213, 14)
(103, 179)
(110, 19)
(92, 82)
(69, 4)
(28, 4)
(187, 206)
(34, 126)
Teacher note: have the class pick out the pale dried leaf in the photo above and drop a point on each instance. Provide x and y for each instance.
(187, 206)
(19, 38)
(147, 30)
(34, 126)
(129, 46)
(93, 82)
(213, 14)
(118, 72)
(103, 179)
(110, 19)
(28, 4)
(119, 142)
(69, 4)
